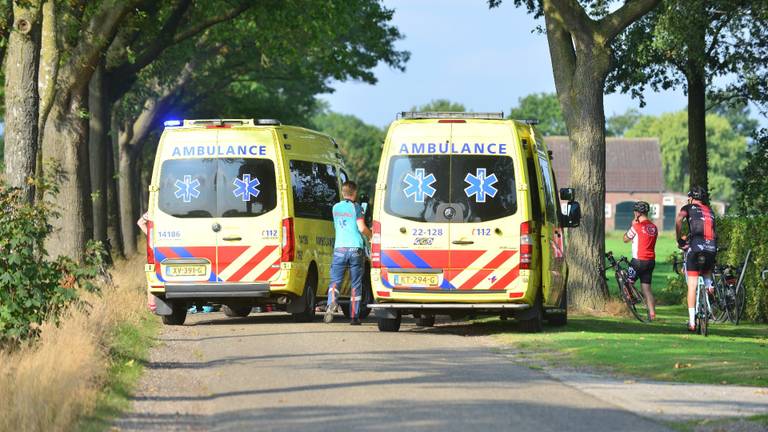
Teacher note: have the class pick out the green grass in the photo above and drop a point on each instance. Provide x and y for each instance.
(731, 354)
(662, 274)
(129, 347)
(720, 424)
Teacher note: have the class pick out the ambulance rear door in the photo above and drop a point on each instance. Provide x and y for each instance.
(485, 230)
(249, 218)
(184, 243)
(414, 230)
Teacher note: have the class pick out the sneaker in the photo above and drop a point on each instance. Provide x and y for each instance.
(355, 322)
(207, 309)
(328, 317)
(192, 310)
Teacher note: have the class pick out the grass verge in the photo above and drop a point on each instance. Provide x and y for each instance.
(129, 348)
(84, 367)
(662, 350)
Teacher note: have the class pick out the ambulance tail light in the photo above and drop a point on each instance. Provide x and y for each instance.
(526, 246)
(376, 245)
(150, 251)
(288, 244)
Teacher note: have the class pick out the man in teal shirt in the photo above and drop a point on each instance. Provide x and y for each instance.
(348, 251)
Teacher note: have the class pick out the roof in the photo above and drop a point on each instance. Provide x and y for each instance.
(631, 164)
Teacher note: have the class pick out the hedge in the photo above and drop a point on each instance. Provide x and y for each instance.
(737, 235)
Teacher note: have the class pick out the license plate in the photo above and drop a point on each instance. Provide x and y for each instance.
(425, 280)
(186, 270)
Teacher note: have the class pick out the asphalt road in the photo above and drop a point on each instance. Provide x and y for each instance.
(265, 372)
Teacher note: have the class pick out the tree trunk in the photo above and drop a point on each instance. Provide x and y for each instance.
(65, 143)
(127, 198)
(21, 98)
(587, 243)
(98, 142)
(48, 73)
(697, 130)
(113, 210)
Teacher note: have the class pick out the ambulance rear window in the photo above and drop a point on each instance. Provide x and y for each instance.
(204, 188)
(480, 187)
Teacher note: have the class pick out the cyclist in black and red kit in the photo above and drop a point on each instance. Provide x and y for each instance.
(700, 245)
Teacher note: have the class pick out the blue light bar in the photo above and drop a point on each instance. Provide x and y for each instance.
(171, 123)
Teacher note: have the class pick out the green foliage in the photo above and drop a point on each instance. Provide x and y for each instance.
(737, 235)
(738, 116)
(683, 37)
(443, 105)
(619, 124)
(360, 145)
(34, 288)
(543, 107)
(726, 151)
(752, 187)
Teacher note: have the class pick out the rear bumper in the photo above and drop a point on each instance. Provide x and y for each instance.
(215, 290)
(454, 306)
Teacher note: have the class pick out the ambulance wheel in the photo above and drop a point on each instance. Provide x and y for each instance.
(389, 324)
(533, 322)
(425, 321)
(178, 313)
(560, 319)
(236, 311)
(308, 298)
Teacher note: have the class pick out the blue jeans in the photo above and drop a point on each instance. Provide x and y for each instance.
(343, 258)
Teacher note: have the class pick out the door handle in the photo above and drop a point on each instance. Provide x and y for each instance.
(463, 242)
(232, 238)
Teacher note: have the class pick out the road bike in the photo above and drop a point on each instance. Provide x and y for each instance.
(633, 297)
(729, 296)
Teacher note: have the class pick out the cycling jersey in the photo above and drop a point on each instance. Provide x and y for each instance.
(643, 235)
(701, 227)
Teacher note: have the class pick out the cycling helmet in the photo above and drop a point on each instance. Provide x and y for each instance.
(642, 207)
(698, 193)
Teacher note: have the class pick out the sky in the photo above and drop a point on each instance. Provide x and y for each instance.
(464, 52)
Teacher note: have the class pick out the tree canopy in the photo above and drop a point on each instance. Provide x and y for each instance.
(727, 151)
(543, 107)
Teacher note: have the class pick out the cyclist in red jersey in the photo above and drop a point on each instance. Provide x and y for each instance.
(643, 234)
(700, 246)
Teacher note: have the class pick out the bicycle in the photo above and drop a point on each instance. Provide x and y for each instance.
(703, 306)
(633, 297)
(729, 296)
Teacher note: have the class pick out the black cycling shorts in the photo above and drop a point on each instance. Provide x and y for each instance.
(698, 262)
(641, 269)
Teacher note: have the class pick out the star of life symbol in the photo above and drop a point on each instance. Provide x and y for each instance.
(480, 185)
(245, 187)
(419, 185)
(187, 190)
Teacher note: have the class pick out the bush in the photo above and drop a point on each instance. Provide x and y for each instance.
(738, 235)
(752, 188)
(34, 288)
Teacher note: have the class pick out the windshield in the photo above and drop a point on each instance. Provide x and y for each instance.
(480, 187)
(204, 188)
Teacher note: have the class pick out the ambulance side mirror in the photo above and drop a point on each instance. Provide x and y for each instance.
(567, 194)
(365, 205)
(573, 215)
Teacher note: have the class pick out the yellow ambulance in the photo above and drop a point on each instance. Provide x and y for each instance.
(240, 215)
(467, 220)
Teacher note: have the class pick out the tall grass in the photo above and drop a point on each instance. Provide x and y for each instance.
(49, 385)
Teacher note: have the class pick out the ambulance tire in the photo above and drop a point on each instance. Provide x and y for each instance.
(308, 298)
(534, 322)
(425, 321)
(389, 324)
(178, 313)
(236, 311)
(559, 319)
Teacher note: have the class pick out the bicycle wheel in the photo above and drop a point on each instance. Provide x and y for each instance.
(740, 301)
(720, 305)
(703, 313)
(633, 297)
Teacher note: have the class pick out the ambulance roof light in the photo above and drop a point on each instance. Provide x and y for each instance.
(450, 115)
(268, 122)
(172, 123)
(530, 121)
